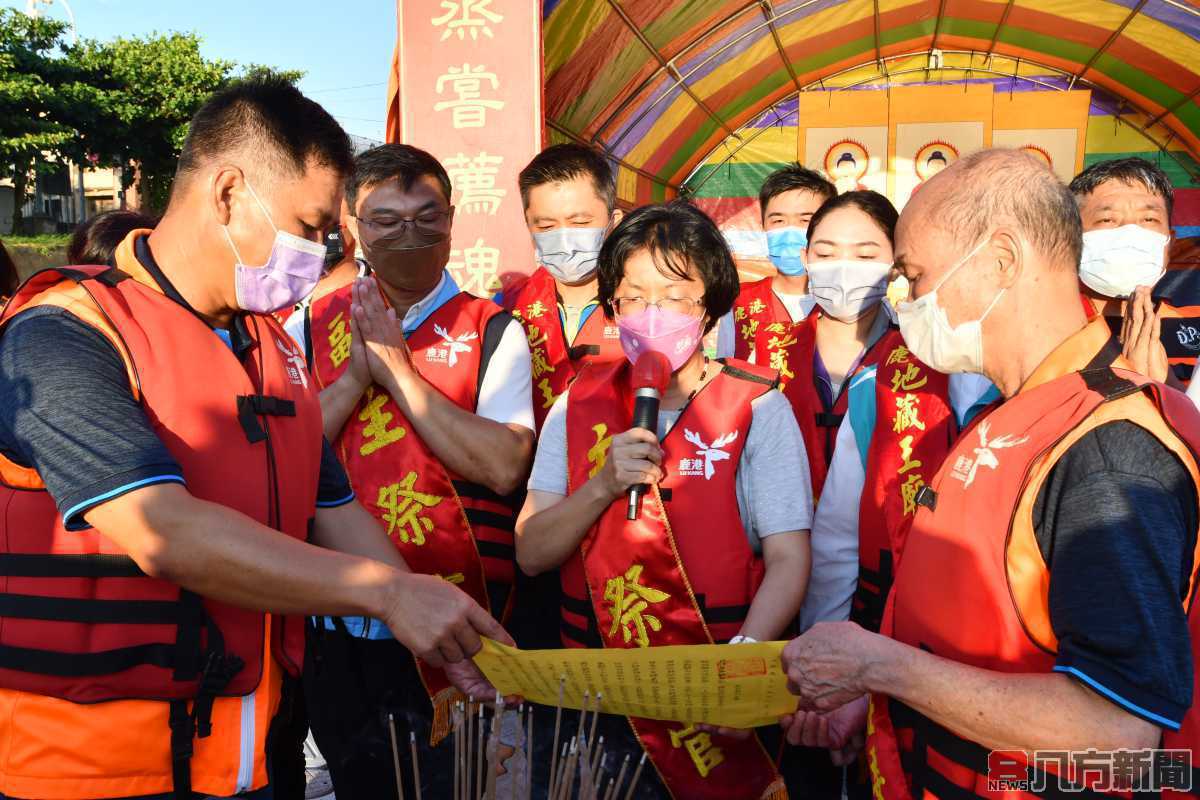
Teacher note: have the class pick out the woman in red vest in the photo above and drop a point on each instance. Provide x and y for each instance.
(719, 551)
(849, 261)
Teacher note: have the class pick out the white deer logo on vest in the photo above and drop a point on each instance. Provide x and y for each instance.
(985, 456)
(297, 370)
(450, 354)
(711, 454)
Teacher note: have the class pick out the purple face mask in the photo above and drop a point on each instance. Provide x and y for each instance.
(674, 335)
(290, 274)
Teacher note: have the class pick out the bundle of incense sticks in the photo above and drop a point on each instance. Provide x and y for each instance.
(578, 769)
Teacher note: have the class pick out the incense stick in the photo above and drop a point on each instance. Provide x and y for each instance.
(613, 788)
(529, 754)
(412, 743)
(493, 749)
(396, 756)
(637, 773)
(479, 756)
(557, 727)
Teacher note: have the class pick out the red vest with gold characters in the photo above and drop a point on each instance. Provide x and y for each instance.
(756, 307)
(81, 621)
(654, 581)
(442, 524)
(790, 348)
(988, 606)
(555, 363)
(914, 426)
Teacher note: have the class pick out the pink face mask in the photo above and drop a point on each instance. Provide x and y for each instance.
(674, 335)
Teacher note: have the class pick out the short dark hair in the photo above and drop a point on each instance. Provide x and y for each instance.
(793, 176)
(95, 241)
(566, 162)
(394, 162)
(1128, 170)
(677, 234)
(271, 115)
(873, 204)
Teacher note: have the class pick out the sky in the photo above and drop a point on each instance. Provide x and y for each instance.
(344, 48)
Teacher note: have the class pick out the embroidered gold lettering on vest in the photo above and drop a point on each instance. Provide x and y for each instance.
(628, 600)
(898, 356)
(908, 414)
(908, 492)
(599, 451)
(705, 755)
(907, 461)
(777, 346)
(376, 434)
(402, 507)
(907, 379)
(535, 309)
(339, 339)
(756, 306)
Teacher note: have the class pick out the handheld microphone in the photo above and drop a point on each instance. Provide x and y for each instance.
(651, 374)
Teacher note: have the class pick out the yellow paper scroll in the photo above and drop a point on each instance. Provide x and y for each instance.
(738, 686)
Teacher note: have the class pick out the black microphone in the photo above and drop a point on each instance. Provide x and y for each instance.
(650, 376)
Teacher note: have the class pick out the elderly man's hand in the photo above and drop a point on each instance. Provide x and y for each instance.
(1141, 336)
(840, 731)
(827, 666)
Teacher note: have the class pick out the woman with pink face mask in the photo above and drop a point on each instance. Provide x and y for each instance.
(719, 551)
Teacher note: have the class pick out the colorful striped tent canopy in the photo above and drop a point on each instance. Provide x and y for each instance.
(674, 89)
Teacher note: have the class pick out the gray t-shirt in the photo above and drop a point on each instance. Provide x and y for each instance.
(774, 490)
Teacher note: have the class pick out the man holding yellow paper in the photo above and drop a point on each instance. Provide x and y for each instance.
(720, 485)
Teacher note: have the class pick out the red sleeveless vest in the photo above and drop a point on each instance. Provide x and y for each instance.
(654, 581)
(81, 621)
(914, 426)
(756, 307)
(441, 523)
(988, 606)
(534, 301)
(790, 348)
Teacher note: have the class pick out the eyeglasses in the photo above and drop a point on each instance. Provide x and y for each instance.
(430, 222)
(678, 305)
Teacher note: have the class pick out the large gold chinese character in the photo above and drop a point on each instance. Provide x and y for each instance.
(777, 347)
(898, 356)
(599, 451)
(749, 331)
(906, 455)
(906, 379)
(475, 179)
(539, 363)
(775, 327)
(908, 414)
(535, 336)
(469, 109)
(535, 309)
(465, 17)
(908, 492)
(474, 268)
(548, 395)
(376, 434)
(756, 306)
(705, 755)
(739, 314)
(402, 507)
(628, 600)
(339, 339)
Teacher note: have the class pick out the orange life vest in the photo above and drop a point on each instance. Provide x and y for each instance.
(913, 431)
(441, 523)
(791, 349)
(988, 606)
(654, 581)
(756, 307)
(534, 301)
(81, 621)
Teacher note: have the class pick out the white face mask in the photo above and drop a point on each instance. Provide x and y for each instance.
(1118, 260)
(927, 332)
(569, 254)
(847, 289)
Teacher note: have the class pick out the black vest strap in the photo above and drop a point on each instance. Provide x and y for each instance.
(1099, 375)
(39, 565)
(582, 351)
(828, 420)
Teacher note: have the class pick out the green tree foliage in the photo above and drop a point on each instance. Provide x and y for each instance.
(122, 103)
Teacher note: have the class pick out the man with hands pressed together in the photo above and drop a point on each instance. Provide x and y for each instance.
(163, 465)
(425, 392)
(1042, 599)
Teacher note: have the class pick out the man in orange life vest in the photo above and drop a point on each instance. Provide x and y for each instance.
(570, 205)
(1126, 208)
(1042, 596)
(788, 199)
(162, 466)
(425, 394)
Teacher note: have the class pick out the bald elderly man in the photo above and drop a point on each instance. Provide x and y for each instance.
(1041, 599)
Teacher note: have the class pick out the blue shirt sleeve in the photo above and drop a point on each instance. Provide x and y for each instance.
(334, 487)
(66, 410)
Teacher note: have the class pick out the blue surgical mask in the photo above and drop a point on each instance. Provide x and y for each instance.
(785, 246)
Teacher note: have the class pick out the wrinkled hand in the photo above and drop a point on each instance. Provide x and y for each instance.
(1141, 336)
(438, 622)
(841, 731)
(826, 666)
(358, 370)
(634, 457)
(470, 680)
(380, 332)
